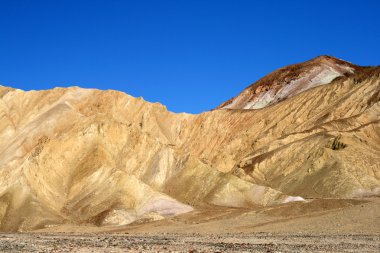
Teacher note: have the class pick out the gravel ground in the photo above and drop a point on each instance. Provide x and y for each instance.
(256, 242)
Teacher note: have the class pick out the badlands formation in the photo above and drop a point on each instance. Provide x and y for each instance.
(85, 157)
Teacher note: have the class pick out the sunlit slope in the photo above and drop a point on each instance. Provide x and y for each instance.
(81, 156)
(324, 142)
(104, 158)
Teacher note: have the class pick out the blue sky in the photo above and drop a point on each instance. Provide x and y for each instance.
(189, 55)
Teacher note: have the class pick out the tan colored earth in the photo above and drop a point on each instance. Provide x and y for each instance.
(306, 160)
(315, 226)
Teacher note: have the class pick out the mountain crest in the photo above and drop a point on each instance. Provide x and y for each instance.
(290, 81)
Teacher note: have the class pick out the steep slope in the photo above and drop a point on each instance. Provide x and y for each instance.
(289, 81)
(102, 157)
(91, 157)
(320, 143)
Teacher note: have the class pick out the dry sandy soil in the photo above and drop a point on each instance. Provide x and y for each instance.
(257, 242)
(316, 226)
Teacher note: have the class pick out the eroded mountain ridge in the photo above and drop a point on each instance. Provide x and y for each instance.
(84, 156)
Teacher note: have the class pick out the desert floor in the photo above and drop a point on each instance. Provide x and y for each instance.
(316, 226)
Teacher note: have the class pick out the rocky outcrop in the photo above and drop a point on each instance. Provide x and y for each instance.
(290, 81)
(91, 157)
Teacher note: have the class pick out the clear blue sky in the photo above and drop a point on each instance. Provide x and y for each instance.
(189, 55)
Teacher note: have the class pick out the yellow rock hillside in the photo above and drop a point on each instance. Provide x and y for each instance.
(91, 157)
